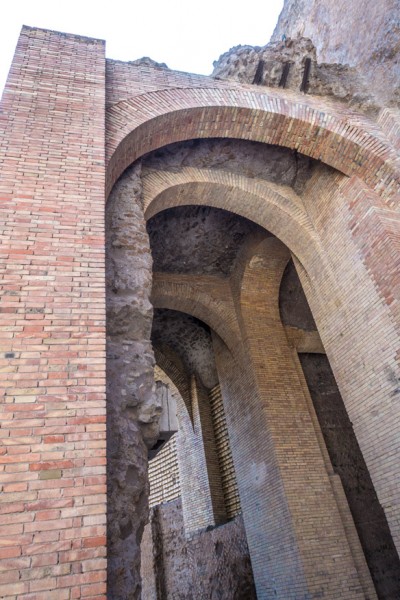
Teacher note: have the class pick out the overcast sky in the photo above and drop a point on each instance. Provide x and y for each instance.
(187, 36)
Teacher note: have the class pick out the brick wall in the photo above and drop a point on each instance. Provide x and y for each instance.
(52, 182)
(164, 475)
(353, 311)
(52, 451)
(205, 458)
(225, 460)
(348, 462)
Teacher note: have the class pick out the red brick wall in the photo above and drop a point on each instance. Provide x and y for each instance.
(52, 352)
(52, 362)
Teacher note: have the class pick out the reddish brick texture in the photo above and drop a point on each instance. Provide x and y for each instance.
(52, 360)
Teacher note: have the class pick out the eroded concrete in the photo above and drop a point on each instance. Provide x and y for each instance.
(132, 404)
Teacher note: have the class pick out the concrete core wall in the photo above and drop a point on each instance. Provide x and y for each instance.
(212, 564)
(364, 34)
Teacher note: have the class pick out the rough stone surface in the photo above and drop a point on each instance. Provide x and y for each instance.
(132, 405)
(197, 239)
(213, 564)
(251, 159)
(266, 66)
(190, 339)
(362, 34)
(348, 462)
(146, 61)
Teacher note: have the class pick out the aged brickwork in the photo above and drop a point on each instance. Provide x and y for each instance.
(164, 475)
(347, 461)
(52, 540)
(243, 180)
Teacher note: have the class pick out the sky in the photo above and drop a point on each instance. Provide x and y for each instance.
(186, 35)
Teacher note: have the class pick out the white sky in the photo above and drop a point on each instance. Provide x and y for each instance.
(187, 36)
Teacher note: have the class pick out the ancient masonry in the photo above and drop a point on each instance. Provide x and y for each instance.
(200, 287)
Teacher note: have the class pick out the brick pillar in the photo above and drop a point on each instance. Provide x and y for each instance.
(52, 355)
(356, 308)
(201, 488)
(297, 542)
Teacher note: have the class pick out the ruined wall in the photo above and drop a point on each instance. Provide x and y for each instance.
(212, 564)
(293, 64)
(361, 33)
(52, 182)
(132, 405)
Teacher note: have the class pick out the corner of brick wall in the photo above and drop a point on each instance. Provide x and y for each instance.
(52, 328)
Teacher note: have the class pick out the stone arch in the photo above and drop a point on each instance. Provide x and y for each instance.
(276, 208)
(179, 379)
(186, 297)
(326, 131)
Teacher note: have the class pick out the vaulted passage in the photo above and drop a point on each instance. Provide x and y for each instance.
(254, 482)
(218, 349)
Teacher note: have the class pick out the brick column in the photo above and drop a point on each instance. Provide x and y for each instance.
(296, 538)
(201, 487)
(356, 308)
(52, 355)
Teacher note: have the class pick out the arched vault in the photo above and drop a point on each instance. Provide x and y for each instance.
(277, 208)
(352, 144)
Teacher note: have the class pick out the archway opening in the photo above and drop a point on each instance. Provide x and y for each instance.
(226, 270)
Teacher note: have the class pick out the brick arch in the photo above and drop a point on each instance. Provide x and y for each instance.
(326, 131)
(178, 377)
(276, 208)
(188, 298)
(270, 251)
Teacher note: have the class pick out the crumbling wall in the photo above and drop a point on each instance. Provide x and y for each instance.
(212, 564)
(292, 64)
(132, 405)
(362, 33)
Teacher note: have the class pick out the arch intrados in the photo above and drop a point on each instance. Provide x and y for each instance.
(276, 217)
(196, 304)
(171, 369)
(158, 180)
(328, 133)
(165, 366)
